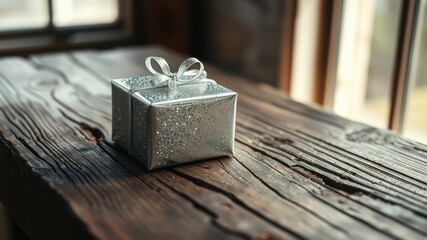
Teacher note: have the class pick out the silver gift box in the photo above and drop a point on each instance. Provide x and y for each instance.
(162, 127)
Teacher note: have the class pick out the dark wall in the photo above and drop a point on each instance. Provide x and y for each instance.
(241, 36)
(165, 22)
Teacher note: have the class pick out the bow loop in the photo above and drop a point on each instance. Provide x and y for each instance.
(173, 79)
(161, 62)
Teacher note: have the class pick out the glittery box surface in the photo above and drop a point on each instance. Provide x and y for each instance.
(162, 127)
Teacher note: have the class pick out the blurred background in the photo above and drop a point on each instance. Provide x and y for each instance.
(362, 59)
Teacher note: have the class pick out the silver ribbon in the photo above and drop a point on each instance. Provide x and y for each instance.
(183, 76)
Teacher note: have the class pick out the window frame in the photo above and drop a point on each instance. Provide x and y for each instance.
(50, 37)
(403, 62)
(324, 81)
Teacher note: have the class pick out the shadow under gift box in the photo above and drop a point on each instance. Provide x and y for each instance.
(162, 127)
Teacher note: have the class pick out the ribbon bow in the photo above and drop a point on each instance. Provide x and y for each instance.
(183, 76)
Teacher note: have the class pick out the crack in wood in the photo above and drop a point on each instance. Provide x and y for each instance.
(291, 201)
(212, 215)
(233, 198)
(316, 194)
(92, 133)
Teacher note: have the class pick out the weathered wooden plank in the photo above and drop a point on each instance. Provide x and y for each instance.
(298, 172)
(53, 139)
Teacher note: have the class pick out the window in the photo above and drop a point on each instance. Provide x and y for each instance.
(83, 12)
(373, 70)
(415, 117)
(23, 14)
(56, 24)
(369, 32)
(34, 14)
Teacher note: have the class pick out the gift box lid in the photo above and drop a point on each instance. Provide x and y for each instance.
(141, 88)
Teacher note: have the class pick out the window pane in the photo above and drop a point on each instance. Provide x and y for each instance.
(415, 124)
(23, 14)
(367, 48)
(84, 12)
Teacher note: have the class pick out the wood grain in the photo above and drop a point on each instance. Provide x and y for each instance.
(299, 172)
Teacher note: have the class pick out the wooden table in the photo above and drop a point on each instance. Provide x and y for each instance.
(298, 172)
